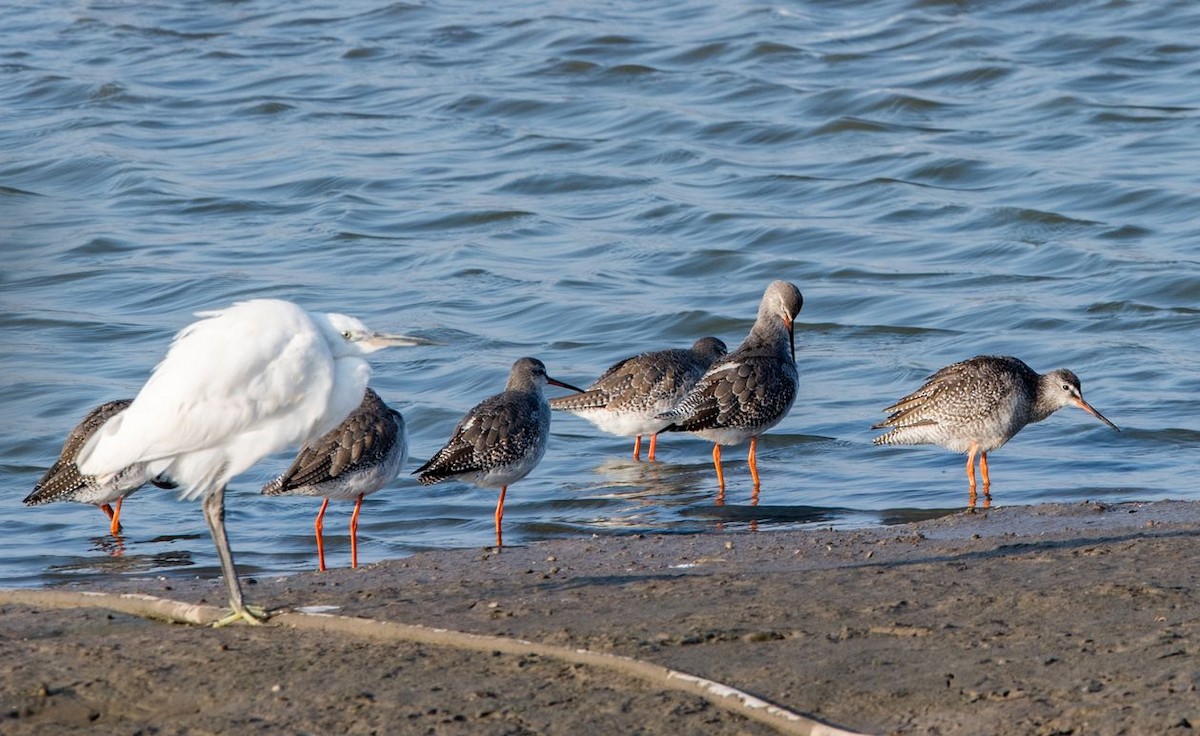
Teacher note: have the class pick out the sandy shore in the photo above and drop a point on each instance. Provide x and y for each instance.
(1056, 619)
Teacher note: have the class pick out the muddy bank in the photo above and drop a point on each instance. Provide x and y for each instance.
(1058, 619)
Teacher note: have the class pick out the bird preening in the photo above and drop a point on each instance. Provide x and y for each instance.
(750, 390)
(628, 397)
(264, 376)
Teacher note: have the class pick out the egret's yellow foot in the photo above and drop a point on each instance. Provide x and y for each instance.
(253, 615)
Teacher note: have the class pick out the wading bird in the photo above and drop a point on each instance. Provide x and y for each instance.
(749, 390)
(64, 482)
(628, 397)
(353, 460)
(978, 405)
(501, 439)
(239, 384)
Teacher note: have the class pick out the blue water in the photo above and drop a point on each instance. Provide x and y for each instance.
(584, 181)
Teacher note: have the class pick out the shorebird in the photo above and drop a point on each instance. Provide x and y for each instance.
(978, 405)
(501, 439)
(353, 460)
(64, 482)
(750, 390)
(239, 384)
(628, 397)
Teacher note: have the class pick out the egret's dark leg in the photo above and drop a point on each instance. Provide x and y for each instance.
(214, 514)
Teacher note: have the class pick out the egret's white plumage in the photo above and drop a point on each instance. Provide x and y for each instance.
(239, 384)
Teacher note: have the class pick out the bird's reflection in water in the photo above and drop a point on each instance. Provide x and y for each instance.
(122, 561)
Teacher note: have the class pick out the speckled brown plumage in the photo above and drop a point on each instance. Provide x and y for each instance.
(750, 390)
(64, 481)
(353, 460)
(977, 405)
(501, 439)
(628, 398)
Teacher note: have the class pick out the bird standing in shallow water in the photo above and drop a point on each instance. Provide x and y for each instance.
(239, 384)
(354, 459)
(64, 482)
(978, 405)
(628, 397)
(750, 390)
(501, 439)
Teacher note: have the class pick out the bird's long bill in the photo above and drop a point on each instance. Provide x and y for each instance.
(377, 340)
(1088, 408)
(556, 382)
(792, 339)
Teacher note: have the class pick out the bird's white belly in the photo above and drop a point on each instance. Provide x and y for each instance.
(624, 423)
(729, 435)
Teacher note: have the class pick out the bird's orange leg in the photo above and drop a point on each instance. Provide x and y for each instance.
(637, 448)
(114, 524)
(971, 474)
(115, 527)
(971, 466)
(717, 462)
(320, 527)
(653, 446)
(753, 464)
(983, 468)
(500, 516)
(354, 532)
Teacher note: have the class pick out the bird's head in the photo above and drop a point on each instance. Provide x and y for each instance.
(782, 301)
(347, 335)
(1066, 389)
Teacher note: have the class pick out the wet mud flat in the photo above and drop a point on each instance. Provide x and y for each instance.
(1053, 619)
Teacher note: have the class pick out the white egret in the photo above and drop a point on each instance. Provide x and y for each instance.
(239, 384)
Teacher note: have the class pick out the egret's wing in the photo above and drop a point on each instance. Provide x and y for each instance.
(240, 370)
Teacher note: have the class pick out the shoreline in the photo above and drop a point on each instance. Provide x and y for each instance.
(1056, 618)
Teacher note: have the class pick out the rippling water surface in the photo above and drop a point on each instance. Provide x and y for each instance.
(584, 181)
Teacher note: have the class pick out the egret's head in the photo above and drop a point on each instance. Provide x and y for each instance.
(347, 335)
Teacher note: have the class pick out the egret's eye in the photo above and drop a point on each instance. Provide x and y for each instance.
(348, 334)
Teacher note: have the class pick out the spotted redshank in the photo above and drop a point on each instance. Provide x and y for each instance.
(627, 399)
(750, 390)
(977, 405)
(353, 460)
(501, 439)
(64, 482)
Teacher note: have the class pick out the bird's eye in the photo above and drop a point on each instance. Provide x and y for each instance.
(348, 334)
(1066, 388)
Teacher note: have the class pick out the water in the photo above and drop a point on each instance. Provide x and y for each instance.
(581, 182)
